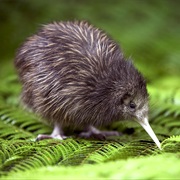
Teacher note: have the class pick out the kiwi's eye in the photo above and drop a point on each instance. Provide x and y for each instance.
(132, 105)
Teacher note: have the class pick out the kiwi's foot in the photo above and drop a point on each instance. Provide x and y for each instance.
(94, 133)
(56, 134)
(46, 136)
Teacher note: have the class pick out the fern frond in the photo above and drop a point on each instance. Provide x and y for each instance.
(171, 144)
(38, 154)
(134, 168)
(21, 121)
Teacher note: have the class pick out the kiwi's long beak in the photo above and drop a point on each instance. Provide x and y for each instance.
(145, 124)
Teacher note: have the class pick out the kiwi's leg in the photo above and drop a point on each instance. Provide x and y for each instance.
(56, 134)
(92, 132)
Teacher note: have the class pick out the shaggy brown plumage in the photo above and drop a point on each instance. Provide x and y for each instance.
(74, 75)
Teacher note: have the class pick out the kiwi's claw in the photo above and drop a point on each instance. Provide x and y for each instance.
(94, 133)
(46, 136)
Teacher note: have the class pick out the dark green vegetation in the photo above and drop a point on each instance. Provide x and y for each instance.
(148, 32)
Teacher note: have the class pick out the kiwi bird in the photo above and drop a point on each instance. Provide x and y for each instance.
(74, 75)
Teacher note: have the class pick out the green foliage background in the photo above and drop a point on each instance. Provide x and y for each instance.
(148, 32)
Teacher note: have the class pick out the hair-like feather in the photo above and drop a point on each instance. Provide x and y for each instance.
(75, 75)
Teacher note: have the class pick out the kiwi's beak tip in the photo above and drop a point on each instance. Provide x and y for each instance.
(145, 124)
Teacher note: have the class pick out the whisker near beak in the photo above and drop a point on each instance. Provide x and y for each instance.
(145, 124)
